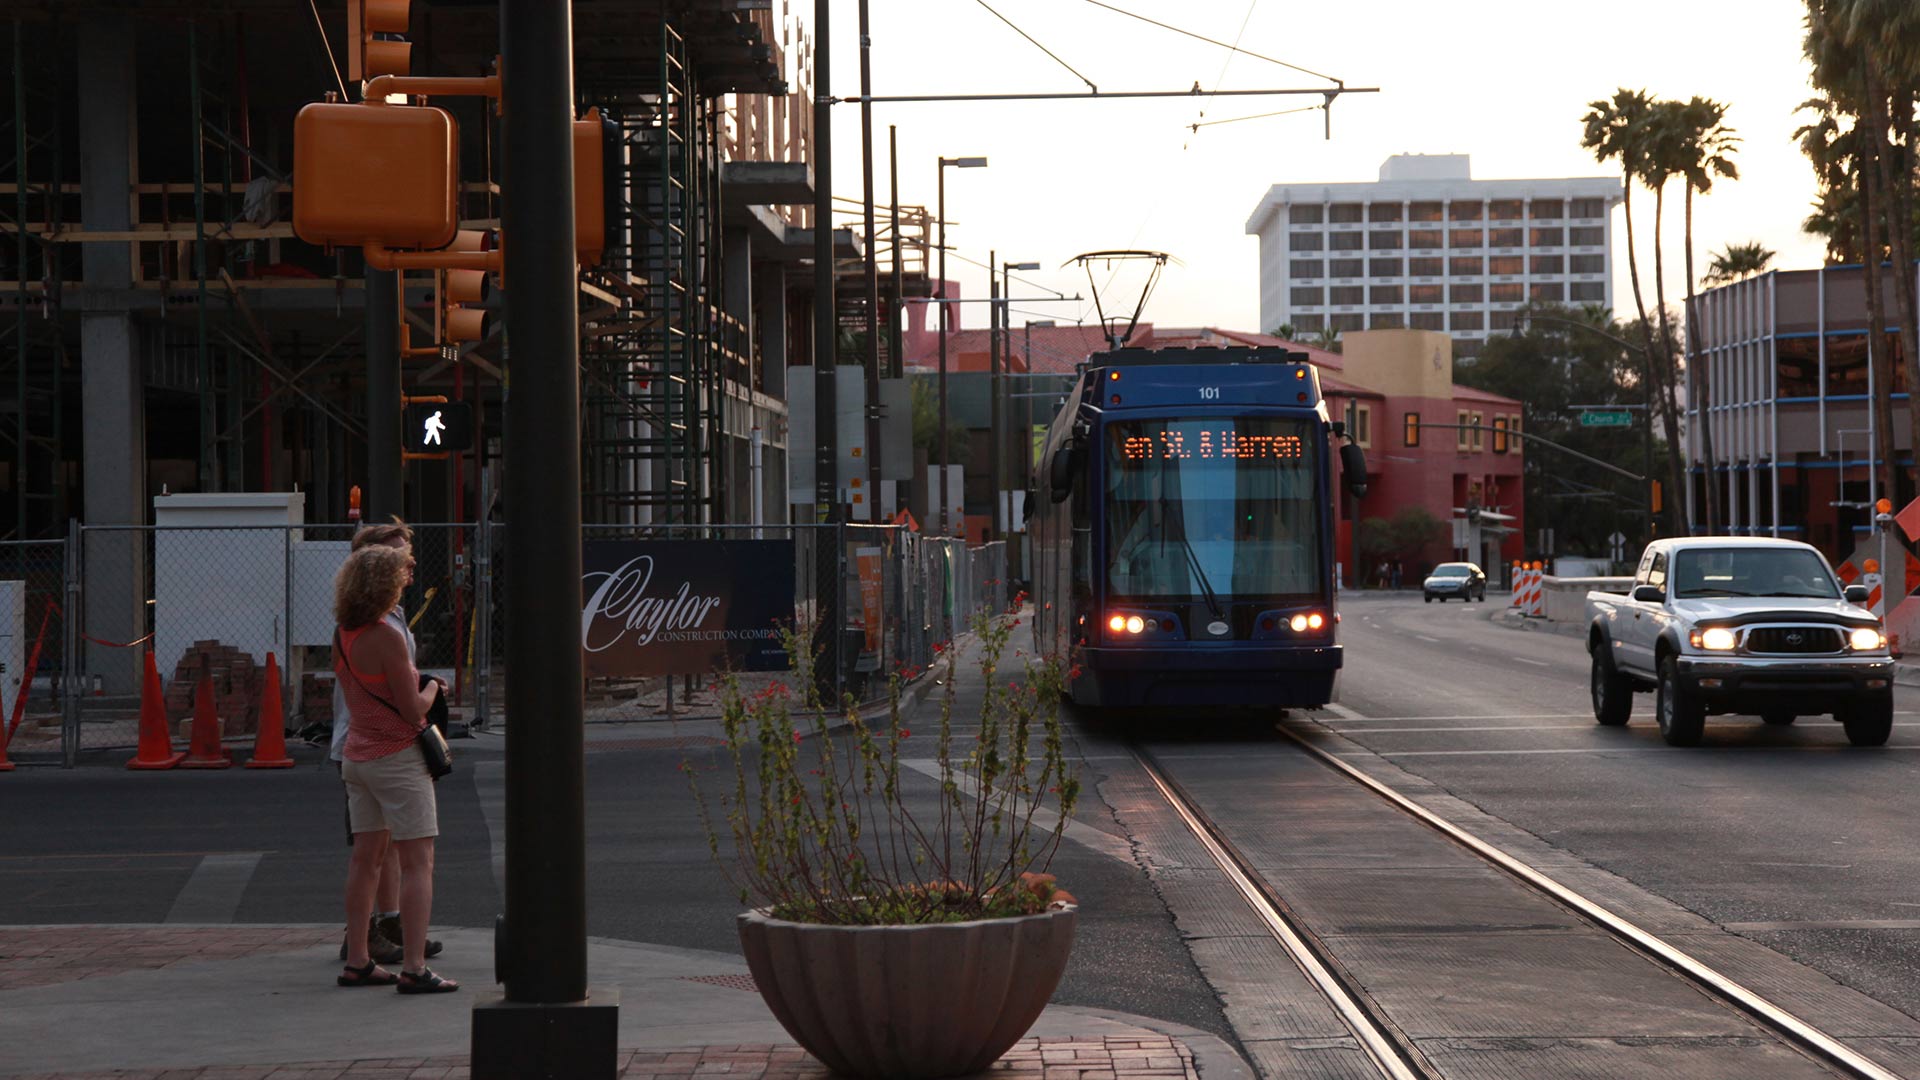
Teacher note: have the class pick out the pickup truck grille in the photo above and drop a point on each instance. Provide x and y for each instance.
(1795, 640)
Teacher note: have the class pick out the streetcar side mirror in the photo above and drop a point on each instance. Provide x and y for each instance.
(1060, 472)
(1353, 469)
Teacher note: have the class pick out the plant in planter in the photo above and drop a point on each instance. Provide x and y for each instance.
(895, 936)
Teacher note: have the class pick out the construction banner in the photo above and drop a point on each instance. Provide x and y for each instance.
(681, 607)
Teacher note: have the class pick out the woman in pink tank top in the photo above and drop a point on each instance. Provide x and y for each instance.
(389, 793)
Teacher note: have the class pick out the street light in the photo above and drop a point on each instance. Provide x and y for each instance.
(940, 486)
(1646, 388)
(1000, 353)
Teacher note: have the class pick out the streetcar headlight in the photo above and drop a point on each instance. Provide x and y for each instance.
(1135, 624)
(1866, 638)
(1117, 623)
(1298, 624)
(1717, 639)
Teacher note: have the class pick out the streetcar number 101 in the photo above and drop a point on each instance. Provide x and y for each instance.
(1209, 393)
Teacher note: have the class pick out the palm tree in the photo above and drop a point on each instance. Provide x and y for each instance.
(1328, 339)
(1702, 148)
(1737, 262)
(1615, 129)
(1836, 214)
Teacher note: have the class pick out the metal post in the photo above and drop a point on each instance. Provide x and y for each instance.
(384, 483)
(873, 272)
(20, 442)
(71, 662)
(826, 462)
(483, 604)
(939, 301)
(894, 313)
(203, 364)
(756, 451)
(548, 1024)
(994, 293)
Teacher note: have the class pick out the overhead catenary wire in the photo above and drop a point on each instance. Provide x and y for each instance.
(1221, 44)
(1198, 124)
(1037, 45)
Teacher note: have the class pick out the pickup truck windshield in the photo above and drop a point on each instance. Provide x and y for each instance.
(1700, 573)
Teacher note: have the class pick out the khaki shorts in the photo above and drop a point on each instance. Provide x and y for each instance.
(392, 793)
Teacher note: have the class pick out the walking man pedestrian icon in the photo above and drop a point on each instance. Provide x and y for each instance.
(434, 427)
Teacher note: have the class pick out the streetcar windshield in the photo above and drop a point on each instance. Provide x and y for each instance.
(1215, 508)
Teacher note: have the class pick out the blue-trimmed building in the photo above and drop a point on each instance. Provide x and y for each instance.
(1793, 431)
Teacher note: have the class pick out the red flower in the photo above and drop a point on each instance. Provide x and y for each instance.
(905, 734)
(1073, 672)
(796, 734)
(939, 647)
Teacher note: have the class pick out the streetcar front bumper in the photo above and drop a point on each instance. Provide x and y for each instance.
(1293, 676)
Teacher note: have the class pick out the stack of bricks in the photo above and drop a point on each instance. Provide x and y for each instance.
(316, 699)
(236, 688)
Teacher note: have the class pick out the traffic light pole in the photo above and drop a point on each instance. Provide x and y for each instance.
(826, 327)
(547, 1023)
(383, 396)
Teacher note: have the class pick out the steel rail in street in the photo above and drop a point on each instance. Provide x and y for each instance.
(1386, 1052)
(1793, 1029)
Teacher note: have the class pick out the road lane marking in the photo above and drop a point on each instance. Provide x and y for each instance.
(1535, 663)
(1502, 727)
(1349, 714)
(490, 784)
(1424, 637)
(1595, 750)
(212, 894)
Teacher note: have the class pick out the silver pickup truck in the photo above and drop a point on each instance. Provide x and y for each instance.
(1743, 625)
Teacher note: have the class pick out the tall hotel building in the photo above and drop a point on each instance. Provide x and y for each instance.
(1428, 247)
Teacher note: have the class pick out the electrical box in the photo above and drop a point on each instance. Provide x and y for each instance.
(386, 174)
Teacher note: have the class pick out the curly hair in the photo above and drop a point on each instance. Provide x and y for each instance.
(369, 535)
(368, 585)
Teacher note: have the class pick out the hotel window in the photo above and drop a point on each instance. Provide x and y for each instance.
(1345, 323)
(1499, 435)
(1478, 422)
(1589, 292)
(1306, 268)
(1507, 265)
(1306, 241)
(1548, 238)
(1550, 291)
(1309, 324)
(1410, 429)
(1349, 295)
(1506, 292)
(1384, 239)
(1503, 320)
(1466, 238)
(1345, 268)
(1547, 209)
(1346, 213)
(1426, 267)
(1345, 241)
(1587, 264)
(1424, 211)
(1386, 320)
(1384, 267)
(1461, 437)
(1466, 294)
(1426, 239)
(1466, 266)
(1311, 296)
(1549, 264)
(1464, 210)
(1384, 211)
(1384, 294)
(1303, 215)
(1428, 320)
(1589, 208)
(1468, 320)
(1586, 236)
(1426, 294)
(1504, 209)
(1505, 238)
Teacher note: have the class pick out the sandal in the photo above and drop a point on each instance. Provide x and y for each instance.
(425, 983)
(371, 975)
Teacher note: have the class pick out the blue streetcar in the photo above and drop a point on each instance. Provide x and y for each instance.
(1183, 530)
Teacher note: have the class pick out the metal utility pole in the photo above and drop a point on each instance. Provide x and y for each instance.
(549, 1023)
(826, 461)
(939, 297)
(993, 393)
(873, 273)
(383, 396)
(894, 311)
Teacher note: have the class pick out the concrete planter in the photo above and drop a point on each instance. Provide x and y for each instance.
(908, 1002)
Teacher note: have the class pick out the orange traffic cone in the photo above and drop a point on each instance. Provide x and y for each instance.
(203, 750)
(270, 741)
(156, 746)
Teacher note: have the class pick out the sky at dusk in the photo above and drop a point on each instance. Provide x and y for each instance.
(1505, 81)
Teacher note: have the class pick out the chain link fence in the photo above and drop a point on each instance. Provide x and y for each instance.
(212, 602)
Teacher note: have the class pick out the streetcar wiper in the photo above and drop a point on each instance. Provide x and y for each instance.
(1193, 559)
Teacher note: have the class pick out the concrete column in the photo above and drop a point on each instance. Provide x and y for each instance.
(112, 404)
(770, 328)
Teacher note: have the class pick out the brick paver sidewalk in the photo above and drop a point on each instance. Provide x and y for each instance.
(47, 955)
(1113, 1058)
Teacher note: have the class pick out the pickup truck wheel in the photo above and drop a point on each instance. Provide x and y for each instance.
(1612, 692)
(1682, 718)
(1776, 718)
(1428, 599)
(1868, 723)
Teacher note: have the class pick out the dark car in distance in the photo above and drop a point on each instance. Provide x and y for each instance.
(1461, 579)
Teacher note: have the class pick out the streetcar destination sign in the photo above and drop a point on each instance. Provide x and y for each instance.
(1606, 418)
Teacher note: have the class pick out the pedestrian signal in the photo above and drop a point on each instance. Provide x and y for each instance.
(1654, 497)
(374, 44)
(439, 427)
(375, 174)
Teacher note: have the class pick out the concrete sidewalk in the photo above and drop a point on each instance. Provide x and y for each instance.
(249, 1001)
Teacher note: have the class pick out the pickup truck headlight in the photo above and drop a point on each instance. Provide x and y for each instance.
(1715, 638)
(1866, 638)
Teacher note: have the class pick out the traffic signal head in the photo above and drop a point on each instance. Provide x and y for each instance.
(462, 287)
(385, 174)
(596, 190)
(370, 55)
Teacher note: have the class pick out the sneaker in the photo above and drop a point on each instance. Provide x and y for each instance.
(390, 926)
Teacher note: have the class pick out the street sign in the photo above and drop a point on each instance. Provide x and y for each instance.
(1606, 418)
(439, 427)
(1617, 547)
